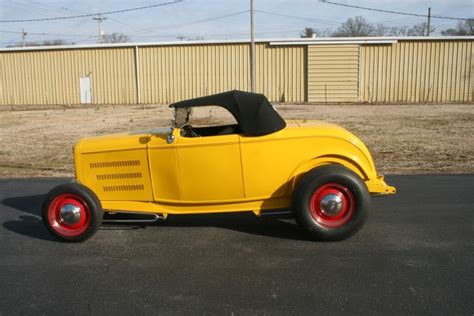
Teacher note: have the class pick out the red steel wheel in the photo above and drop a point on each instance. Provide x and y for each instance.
(332, 205)
(69, 215)
(72, 212)
(331, 202)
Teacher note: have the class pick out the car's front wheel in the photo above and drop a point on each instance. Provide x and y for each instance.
(72, 212)
(331, 203)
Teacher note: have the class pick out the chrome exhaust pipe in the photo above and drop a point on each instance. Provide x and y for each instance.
(154, 217)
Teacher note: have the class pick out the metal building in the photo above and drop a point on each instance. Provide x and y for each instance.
(372, 69)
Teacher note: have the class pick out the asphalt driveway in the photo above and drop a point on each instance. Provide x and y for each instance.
(415, 255)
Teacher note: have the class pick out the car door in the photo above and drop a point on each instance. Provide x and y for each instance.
(162, 157)
(210, 168)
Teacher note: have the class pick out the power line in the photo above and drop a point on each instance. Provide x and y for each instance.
(257, 33)
(153, 31)
(63, 10)
(35, 7)
(198, 21)
(167, 27)
(299, 17)
(152, 36)
(397, 20)
(139, 30)
(131, 27)
(49, 34)
(393, 12)
(92, 14)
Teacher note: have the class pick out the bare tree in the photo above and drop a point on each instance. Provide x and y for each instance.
(308, 32)
(420, 29)
(55, 42)
(115, 38)
(196, 38)
(354, 27)
(382, 30)
(358, 26)
(399, 30)
(464, 28)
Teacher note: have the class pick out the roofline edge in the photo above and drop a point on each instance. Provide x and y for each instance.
(271, 41)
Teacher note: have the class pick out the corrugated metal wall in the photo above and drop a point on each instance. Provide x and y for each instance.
(52, 76)
(409, 71)
(280, 72)
(174, 73)
(333, 73)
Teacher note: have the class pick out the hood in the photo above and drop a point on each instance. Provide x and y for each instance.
(122, 141)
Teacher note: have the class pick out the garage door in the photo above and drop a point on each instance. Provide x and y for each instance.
(333, 73)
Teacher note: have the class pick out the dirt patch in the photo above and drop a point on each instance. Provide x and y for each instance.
(402, 138)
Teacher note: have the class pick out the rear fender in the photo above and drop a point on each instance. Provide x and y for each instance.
(303, 168)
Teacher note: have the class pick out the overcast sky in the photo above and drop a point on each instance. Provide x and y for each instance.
(166, 23)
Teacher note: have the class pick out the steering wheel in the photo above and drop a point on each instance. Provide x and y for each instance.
(187, 130)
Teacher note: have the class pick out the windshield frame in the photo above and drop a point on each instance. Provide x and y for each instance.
(181, 117)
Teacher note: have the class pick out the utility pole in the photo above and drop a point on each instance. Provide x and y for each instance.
(429, 22)
(23, 37)
(252, 48)
(100, 19)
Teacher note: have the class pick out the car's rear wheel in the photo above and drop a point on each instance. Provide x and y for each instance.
(331, 203)
(72, 212)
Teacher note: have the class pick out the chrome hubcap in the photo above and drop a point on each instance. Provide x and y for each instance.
(331, 204)
(70, 214)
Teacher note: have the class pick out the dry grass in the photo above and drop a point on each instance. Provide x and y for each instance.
(402, 138)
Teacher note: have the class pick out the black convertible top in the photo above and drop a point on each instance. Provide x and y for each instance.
(254, 113)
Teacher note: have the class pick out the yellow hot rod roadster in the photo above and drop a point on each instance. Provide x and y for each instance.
(323, 173)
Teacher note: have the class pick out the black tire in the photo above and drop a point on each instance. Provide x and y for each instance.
(310, 215)
(84, 200)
